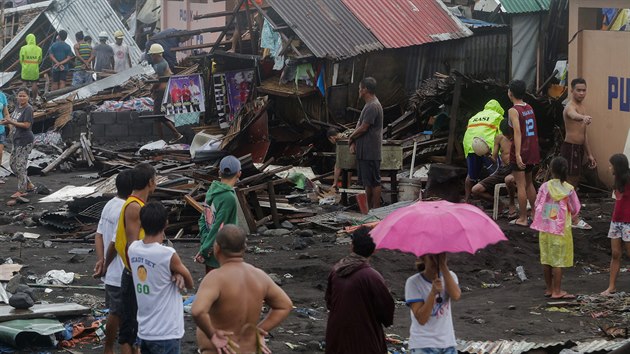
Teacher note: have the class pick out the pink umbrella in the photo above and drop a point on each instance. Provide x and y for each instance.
(437, 227)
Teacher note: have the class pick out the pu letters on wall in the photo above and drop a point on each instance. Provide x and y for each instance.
(619, 88)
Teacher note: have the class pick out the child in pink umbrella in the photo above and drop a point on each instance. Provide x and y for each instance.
(428, 295)
(619, 232)
(555, 205)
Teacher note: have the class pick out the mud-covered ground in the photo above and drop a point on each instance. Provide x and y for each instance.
(513, 310)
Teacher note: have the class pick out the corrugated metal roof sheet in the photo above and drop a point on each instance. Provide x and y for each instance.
(91, 17)
(142, 70)
(598, 346)
(525, 6)
(327, 27)
(506, 346)
(405, 23)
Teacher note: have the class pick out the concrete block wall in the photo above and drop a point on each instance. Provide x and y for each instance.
(118, 126)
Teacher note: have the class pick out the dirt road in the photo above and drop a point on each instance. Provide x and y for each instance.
(513, 310)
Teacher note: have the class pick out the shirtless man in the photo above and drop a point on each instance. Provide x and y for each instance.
(485, 188)
(575, 146)
(230, 299)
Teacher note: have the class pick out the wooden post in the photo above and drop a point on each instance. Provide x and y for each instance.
(453, 121)
(272, 204)
(249, 218)
(66, 154)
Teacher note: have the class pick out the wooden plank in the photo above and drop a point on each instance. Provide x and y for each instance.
(457, 95)
(193, 203)
(272, 204)
(8, 313)
(7, 271)
(249, 218)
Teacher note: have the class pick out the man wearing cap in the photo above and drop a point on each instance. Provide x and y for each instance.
(220, 209)
(104, 54)
(30, 59)
(122, 61)
(483, 125)
(161, 68)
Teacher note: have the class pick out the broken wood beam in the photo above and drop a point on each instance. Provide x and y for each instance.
(249, 218)
(261, 175)
(187, 33)
(66, 154)
(272, 204)
(263, 185)
(193, 203)
(457, 95)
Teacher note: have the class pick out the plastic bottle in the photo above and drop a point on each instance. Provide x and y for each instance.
(520, 272)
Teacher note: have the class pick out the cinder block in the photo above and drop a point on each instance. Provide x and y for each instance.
(117, 131)
(98, 130)
(123, 117)
(103, 117)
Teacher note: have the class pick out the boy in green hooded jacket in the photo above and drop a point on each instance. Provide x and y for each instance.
(220, 209)
(30, 59)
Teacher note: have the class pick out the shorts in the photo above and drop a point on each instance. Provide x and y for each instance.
(527, 169)
(158, 97)
(58, 76)
(497, 177)
(81, 77)
(169, 346)
(476, 164)
(128, 331)
(619, 230)
(3, 137)
(369, 172)
(575, 157)
(449, 350)
(113, 299)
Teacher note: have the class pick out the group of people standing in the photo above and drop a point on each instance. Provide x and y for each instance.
(143, 277)
(88, 59)
(555, 206)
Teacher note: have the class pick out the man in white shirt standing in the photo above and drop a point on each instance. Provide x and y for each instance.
(111, 273)
(153, 267)
(122, 61)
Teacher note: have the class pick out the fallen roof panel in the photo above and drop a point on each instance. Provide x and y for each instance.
(327, 27)
(117, 79)
(405, 23)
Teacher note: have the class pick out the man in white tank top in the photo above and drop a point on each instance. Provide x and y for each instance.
(160, 309)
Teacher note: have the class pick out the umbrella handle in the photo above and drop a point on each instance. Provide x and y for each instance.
(439, 299)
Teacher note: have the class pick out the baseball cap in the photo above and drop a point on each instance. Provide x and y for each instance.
(229, 166)
(118, 34)
(103, 34)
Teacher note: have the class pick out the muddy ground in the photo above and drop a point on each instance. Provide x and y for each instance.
(514, 310)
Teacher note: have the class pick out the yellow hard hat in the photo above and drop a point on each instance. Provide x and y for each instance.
(118, 34)
(156, 49)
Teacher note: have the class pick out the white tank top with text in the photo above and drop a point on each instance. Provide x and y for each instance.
(160, 308)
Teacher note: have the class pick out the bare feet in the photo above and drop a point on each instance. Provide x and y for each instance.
(608, 292)
(563, 295)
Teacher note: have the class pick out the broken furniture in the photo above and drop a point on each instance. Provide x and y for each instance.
(391, 164)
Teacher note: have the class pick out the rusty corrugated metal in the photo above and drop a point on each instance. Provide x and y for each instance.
(405, 23)
(599, 346)
(482, 55)
(506, 346)
(327, 27)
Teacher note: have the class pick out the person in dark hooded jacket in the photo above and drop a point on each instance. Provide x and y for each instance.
(360, 303)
